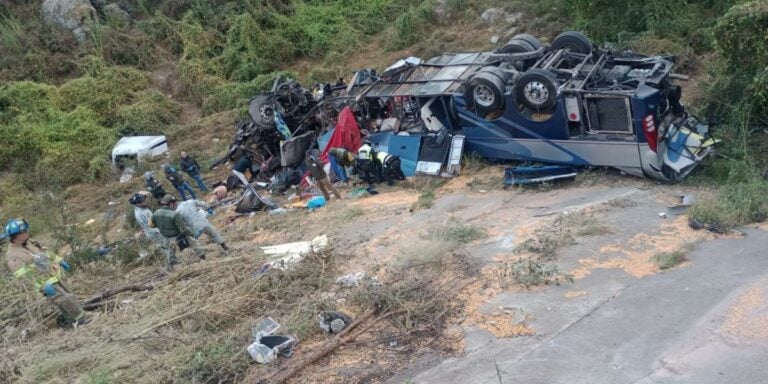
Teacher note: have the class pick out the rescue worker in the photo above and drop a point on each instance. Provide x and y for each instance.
(178, 181)
(315, 168)
(390, 167)
(366, 167)
(29, 262)
(173, 228)
(340, 159)
(195, 220)
(153, 185)
(189, 165)
(143, 216)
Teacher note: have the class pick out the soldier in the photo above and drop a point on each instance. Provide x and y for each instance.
(143, 216)
(173, 228)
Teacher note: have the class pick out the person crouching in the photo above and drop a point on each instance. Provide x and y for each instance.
(390, 167)
(173, 228)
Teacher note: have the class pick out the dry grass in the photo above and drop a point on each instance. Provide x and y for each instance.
(204, 309)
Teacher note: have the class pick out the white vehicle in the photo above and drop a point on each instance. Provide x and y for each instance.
(135, 148)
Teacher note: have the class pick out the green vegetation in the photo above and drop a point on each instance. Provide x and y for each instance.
(55, 92)
(457, 232)
(530, 272)
(668, 260)
(221, 361)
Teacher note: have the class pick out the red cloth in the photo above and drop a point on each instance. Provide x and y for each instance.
(346, 135)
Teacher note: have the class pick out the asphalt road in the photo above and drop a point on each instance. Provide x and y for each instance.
(672, 327)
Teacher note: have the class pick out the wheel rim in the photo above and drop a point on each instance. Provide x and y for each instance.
(483, 95)
(536, 92)
(266, 113)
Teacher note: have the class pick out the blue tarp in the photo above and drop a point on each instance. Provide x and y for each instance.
(407, 149)
(323, 140)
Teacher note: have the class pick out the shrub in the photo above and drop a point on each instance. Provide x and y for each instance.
(618, 20)
(530, 272)
(738, 203)
(251, 51)
(666, 260)
(103, 89)
(25, 97)
(651, 45)
(233, 95)
(457, 232)
(149, 114)
(128, 47)
(738, 46)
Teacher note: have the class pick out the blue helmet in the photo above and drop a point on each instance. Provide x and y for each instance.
(16, 226)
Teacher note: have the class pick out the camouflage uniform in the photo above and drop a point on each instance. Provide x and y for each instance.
(196, 221)
(172, 227)
(143, 216)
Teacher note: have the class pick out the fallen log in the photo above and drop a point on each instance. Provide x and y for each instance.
(111, 292)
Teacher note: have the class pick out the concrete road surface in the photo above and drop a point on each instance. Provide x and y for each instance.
(702, 323)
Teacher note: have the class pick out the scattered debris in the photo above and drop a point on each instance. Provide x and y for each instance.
(316, 202)
(286, 255)
(266, 347)
(333, 322)
(264, 268)
(535, 175)
(350, 280)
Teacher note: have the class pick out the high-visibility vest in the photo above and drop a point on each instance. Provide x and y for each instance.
(364, 153)
(383, 157)
(48, 261)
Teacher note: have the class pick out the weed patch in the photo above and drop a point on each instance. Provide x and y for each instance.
(736, 204)
(530, 272)
(546, 242)
(668, 260)
(457, 232)
(590, 226)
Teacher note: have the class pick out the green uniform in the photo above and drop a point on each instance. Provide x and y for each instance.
(169, 223)
(172, 226)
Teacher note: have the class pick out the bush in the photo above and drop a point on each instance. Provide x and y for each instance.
(127, 47)
(251, 51)
(739, 46)
(619, 20)
(229, 96)
(738, 203)
(651, 45)
(151, 113)
(103, 89)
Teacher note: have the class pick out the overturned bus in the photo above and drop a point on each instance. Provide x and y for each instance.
(566, 103)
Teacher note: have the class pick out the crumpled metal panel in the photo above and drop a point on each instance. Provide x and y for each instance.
(450, 73)
(422, 73)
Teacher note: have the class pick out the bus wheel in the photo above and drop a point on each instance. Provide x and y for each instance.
(573, 41)
(537, 90)
(486, 91)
